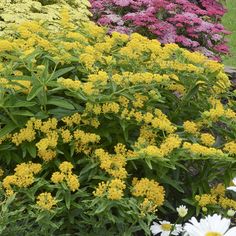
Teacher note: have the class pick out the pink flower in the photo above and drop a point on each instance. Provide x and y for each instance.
(191, 24)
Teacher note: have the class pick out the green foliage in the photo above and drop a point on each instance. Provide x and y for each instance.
(107, 127)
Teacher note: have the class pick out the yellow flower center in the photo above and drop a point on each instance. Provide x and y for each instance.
(166, 227)
(213, 234)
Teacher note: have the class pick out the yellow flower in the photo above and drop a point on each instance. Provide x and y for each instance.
(112, 164)
(66, 167)
(162, 122)
(45, 201)
(6, 45)
(66, 135)
(196, 148)
(152, 150)
(190, 127)
(151, 190)
(207, 139)
(72, 181)
(218, 190)
(57, 177)
(115, 189)
(100, 189)
(206, 199)
(23, 176)
(230, 148)
(170, 143)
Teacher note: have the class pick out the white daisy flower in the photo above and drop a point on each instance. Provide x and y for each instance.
(233, 188)
(182, 210)
(210, 226)
(165, 228)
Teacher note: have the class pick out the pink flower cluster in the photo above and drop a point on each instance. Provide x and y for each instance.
(193, 24)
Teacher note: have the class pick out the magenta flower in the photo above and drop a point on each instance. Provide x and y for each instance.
(194, 24)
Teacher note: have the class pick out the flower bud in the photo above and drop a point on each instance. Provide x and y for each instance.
(230, 213)
(182, 210)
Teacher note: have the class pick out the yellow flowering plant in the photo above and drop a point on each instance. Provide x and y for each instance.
(102, 133)
(13, 13)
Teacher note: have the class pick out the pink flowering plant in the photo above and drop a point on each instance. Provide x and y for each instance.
(192, 24)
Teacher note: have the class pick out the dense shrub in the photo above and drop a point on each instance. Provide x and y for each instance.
(99, 132)
(192, 24)
(17, 11)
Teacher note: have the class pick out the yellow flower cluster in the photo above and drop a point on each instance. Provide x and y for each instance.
(230, 147)
(139, 100)
(150, 191)
(42, 11)
(113, 189)
(71, 120)
(207, 139)
(217, 111)
(46, 201)
(199, 149)
(161, 122)
(206, 199)
(66, 174)
(216, 197)
(158, 120)
(227, 203)
(47, 145)
(84, 141)
(66, 135)
(190, 127)
(22, 178)
(170, 143)
(69, 83)
(167, 146)
(114, 164)
(100, 78)
(25, 134)
(17, 85)
(146, 136)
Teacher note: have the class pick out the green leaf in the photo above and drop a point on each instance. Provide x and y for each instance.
(61, 103)
(149, 163)
(60, 72)
(101, 207)
(34, 92)
(174, 183)
(22, 113)
(22, 104)
(67, 199)
(88, 167)
(31, 148)
(7, 129)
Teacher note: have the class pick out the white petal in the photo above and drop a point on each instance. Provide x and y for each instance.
(231, 232)
(155, 228)
(205, 224)
(234, 180)
(193, 230)
(177, 230)
(214, 223)
(225, 223)
(165, 233)
(164, 222)
(233, 188)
